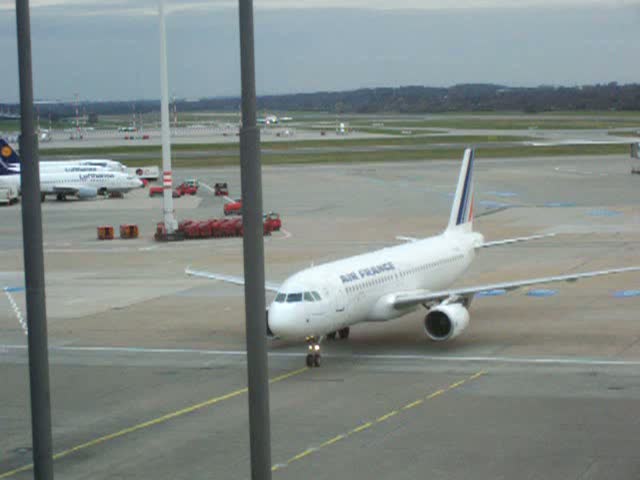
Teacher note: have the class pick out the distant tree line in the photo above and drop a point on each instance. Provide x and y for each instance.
(410, 99)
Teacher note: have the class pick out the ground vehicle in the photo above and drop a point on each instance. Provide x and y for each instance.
(221, 189)
(192, 182)
(153, 191)
(8, 196)
(149, 173)
(272, 221)
(233, 208)
(185, 189)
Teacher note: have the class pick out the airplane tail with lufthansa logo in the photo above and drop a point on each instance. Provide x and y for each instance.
(8, 155)
(461, 218)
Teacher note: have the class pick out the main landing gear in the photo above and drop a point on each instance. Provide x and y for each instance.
(313, 357)
(342, 334)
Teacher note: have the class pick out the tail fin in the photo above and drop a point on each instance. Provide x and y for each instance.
(8, 155)
(5, 170)
(462, 210)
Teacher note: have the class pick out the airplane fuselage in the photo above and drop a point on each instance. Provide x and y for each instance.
(360, 288)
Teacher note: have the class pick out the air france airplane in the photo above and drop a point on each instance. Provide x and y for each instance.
(11, 159)
(325, 300)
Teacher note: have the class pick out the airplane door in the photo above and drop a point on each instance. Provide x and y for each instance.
(340, 300)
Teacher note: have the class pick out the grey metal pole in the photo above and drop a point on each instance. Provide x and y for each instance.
(33, 257)
(169, 218)
(253, 245)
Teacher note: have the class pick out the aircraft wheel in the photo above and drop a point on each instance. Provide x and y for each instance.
(310, 360)
(331, 335)
(316, 360)
(343, 333)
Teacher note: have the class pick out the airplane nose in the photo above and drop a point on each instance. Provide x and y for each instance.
(281, 321)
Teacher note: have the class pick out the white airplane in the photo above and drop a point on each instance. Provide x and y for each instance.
(385, 284)
(79, 183)
(273, 119)
(12, 160)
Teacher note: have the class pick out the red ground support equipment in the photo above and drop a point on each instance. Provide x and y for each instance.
(183, 224)
(221, 189)
(153, 191)
(128, 231)
(185, 189)
(233, 208)
(273, 221)
(205, 229)
(105, 232)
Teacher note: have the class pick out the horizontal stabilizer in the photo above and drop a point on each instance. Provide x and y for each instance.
(507, 241)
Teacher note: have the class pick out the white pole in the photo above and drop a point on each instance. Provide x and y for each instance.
(169, 214)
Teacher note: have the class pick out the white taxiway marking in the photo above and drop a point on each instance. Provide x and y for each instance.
(287, 234)
(207, 187)
(431, 358)
(17, 311)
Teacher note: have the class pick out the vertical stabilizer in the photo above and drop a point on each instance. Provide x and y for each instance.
(462, 209)
(8, 155)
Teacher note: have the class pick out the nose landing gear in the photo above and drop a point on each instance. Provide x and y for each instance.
(313, 357)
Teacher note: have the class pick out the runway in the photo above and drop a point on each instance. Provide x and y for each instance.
(148, 366)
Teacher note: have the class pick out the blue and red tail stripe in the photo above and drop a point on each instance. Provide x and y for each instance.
(465, 211)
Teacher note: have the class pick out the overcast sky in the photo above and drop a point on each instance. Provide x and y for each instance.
(109, 50)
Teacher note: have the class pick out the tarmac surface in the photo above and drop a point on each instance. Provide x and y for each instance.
(148, 375)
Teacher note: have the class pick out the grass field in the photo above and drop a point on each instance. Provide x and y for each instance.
(388, 156)
(292, 145)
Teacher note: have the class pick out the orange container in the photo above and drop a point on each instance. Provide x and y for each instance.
(128, 231)
(105, 232)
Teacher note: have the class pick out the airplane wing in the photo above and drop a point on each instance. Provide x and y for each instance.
(272, 287)
(405, 300)
(507, 241)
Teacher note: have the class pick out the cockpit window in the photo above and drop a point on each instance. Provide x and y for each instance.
(294, 297)
(281, 297)
(308, 297)
(316, 295)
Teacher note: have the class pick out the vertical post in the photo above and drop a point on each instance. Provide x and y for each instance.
(167, 200)
(253, 245)
(33, 257)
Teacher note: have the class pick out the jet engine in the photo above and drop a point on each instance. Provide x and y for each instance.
(87, 192)
(446, 321)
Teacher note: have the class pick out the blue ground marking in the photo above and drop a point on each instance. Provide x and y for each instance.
(626, 293)
(560, 204)
(492, 204)
(13, 289)
(604, 213)
(502, 194)
(541, 292)
(491, 293)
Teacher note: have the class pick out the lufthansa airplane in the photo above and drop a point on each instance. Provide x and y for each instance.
(325, 300)
(80, 181)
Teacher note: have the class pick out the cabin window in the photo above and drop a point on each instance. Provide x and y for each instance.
(294, 297)
(281, 297)
(308, 297)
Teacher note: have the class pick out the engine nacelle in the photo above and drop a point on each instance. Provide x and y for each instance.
(87, 192)
(446, 322)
